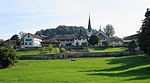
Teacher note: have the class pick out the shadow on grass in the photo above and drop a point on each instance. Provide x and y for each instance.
(141, 73)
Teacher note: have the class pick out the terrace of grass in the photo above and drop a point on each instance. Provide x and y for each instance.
(54, 51)
(129, 69)
(115, 49)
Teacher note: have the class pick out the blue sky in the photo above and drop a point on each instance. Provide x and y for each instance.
(32, 15)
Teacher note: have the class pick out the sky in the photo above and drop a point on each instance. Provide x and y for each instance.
(33, 15)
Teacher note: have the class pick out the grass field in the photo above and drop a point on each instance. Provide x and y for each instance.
(107, 49)
(130, 69)
(54, 50)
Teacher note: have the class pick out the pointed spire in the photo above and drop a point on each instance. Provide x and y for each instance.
(89, 24)
(100, 29)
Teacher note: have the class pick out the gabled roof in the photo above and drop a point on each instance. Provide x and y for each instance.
(70, 37)
(102, 34)
(8, 42)
(132, 37)
(114, 39)
(35, 36)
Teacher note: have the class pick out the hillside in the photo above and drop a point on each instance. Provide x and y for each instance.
(129, 69)
(62, 29)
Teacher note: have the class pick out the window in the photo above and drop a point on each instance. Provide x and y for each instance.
(28, 39)
(30, 43)
(26, 44)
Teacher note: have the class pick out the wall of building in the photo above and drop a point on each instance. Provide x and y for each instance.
(30, 41)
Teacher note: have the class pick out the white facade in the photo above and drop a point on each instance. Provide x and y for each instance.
(30, 41)
(80, 41)
(72, 42)
(118, 43)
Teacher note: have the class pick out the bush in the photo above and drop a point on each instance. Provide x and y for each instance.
(7, 56)
(132, 46)
(63, 50)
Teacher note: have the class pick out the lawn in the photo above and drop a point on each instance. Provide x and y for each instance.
(54, 50)
(115, 49)
(130, 69)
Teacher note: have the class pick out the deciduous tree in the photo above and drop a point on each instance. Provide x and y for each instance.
(94, 40)
(109, 30)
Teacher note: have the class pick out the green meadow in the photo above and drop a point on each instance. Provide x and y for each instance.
(129, 69)
(116, 49)
(45, 51)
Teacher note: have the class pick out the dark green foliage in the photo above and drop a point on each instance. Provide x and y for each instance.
(109, 30)
(7, 56)
(77, 44)
(85, 44)
(132, 46)
(1, 42)
(62, 29)
(144, 35)
(63, 50)
(105, 43)
(94, 40)
(15, 39)
(50, 47)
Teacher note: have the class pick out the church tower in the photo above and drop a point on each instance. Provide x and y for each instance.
(89, 30)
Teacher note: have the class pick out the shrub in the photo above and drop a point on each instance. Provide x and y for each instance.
(132, 46)
(7, 56)
(63, 50)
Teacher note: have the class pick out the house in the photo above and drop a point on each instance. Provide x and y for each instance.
(9, 43)
(71, 40)
(102, 36)
(30, 40)
(46, 42)
(128, 39)
(115, 41)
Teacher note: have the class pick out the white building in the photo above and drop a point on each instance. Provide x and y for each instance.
(102, 36)
(128, 39)
(30, 40)
(71, 40)
(115, 41)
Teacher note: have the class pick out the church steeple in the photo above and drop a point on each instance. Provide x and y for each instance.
(89, 24)
(100, 29)
(89, 30)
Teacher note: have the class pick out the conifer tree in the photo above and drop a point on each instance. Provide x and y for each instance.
(144, 35)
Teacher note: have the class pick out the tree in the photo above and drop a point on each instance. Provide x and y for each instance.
(94, 40)
(132, 46)
(21, 34)
(63, 29)
(15, 39)
(7, 56)
(105, 43)
(1, 42)
(85, 44)
(109, 30)
(77, 44)
(50, 47)
(144, 35)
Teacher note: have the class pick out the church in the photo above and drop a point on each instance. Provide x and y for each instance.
(103, 37)
(100, 33)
